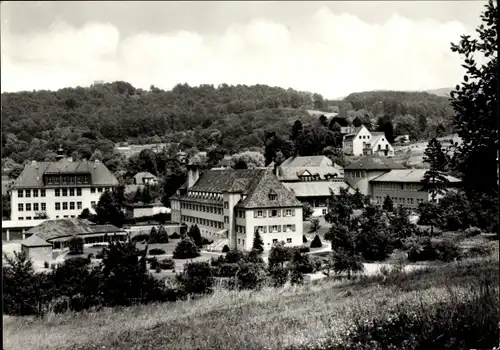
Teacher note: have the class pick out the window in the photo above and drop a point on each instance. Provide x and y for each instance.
(65, 205)
(28, 193)
(58, 206)
(28, 218)
(274, 213)
(35, 206)
(72, 205)
(288, 240)
(226, 205)
(99, 190)
(42, 193)
(273, 196)
(92, 190)
(65, 216)
(274, 228)
(238, 241)
(20, 207)
(259, 213)
(20, 218)
(43, 206)
(226, 219)
(402, 186)
(78, 205)
(20, 193)
(71, 191)
(57, 192)
(323, 211)
(275, 241)
(64, 192)
(35, 193)
(92, 204)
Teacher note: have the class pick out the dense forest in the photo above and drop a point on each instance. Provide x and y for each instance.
(89, 122)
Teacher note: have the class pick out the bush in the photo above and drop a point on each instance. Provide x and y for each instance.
(186, 249)
(304, 249)
(472, 232)
(226, 270)
(251, 276)
(447, 251)
(158, 269)
(90, 256)
(304, 239)
(278, 275)
(167, 264)
(217, 261)
(225, 249)
(314, 225)
(205, 241)
(316, 242)
(100, 255)
(196, 278)
(175, 235)
(423, 249)
(46, 264)
(153, 263)
(156, 251)
(234, 256)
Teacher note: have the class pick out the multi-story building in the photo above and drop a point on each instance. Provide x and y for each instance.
(234, 204)
(361, 142)
(379, 177)
(311, 180)
(145, 178)
(59, 189)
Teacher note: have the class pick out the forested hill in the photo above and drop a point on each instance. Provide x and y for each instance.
(236, 118)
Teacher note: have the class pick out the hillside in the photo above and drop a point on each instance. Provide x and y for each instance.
(440, 92)
(302, 317)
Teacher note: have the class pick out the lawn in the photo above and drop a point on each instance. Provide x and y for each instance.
(267, 319)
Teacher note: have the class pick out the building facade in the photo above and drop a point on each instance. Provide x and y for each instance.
(59, 189)
(360, 141)
(145, 178)
(234, 204)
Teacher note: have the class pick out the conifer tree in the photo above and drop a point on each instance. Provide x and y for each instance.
(388, 204)
(258, 243)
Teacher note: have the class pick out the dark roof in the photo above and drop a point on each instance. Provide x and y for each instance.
(144, 175)
(310, 161)
(258, 193)
(35, 241)
(227, 180)
(373, 162)
(32, 175)
(52, 229)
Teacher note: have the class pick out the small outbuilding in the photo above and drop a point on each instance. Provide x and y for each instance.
(37, 249)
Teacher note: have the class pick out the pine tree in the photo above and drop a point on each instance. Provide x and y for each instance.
(108, 210)
(162, 235)
(138, 195)
(388, 204)
(316, 242)
(258, 243)
(358, 200)
(153, 235)
(147, 195)
(339, 208)
(195, 234)
(435, 178)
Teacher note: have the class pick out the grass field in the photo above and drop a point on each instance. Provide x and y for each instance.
(267, 319)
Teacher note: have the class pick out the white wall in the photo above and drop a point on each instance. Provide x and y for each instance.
(357, 148)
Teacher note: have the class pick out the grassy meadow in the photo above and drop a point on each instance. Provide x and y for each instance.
(292, 316)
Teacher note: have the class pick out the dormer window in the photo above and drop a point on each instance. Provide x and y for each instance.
(273, 195)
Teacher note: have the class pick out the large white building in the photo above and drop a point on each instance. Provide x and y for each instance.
(234, 204)
(360, 141)
(59, 189)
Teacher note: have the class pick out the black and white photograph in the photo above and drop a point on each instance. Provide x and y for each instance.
(250, 175)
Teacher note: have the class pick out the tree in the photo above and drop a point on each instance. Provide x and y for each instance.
(195, 234)
(434, 178)
(258, 243)
(430, 214)
(146, 195)
(138, 195)
(197, 278)
(374, 240)
(385, 126)
(162, 235)
(346, 261)
(358, 200)
(339, 208)
(147, 161)
(108, 210)
(388, 204)
(186, 249)
(476, 107)
(153, 235)
(307, 211)
(401, 226)
(314, 225)
(250, 160)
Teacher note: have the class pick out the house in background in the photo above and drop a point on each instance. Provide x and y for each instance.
(363, 142)
(145, 178)
(37, 249)
(138, 210)
(402, 139)
(379, 177)
(60, 189)
(311, 179)
(231, 205)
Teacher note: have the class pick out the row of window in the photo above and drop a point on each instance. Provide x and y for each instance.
(354, 173)
(207, 195)
(241, 229)
(30, 218)
(21, 193)
(201, 221)
(273, 213)
(64, 192)
(71, 205)
(200, 207)
(67, 179)
(99, 189)
(393, 186)
(275, 228)
(36, 207)
(400, 200)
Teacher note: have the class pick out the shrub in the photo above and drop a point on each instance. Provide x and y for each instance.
(205, 241)
(217, 261)
(99, 255)
(175, 235)
(472, 232)
(423, 249)
(447, 251)
(156, 251)
(278, 275)
(226, 270)
(316, 242)
(225, 249)
(186, 249)
(196, 278)
(251, 276)
(304, 239)
(158, 269)
(90, 256)
(46, 264)
(304, 249)
(167, 264)
(234, 256)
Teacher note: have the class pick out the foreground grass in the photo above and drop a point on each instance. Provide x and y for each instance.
(268, 319)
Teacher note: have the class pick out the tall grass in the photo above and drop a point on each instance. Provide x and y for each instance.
(326, 315)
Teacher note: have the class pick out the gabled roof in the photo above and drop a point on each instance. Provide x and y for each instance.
(52, 229)
(35, 241)
(144, 175)
(409, 176)
(373, 162)
(311, 161)
(258, 193)
(32, 174)
(317, 188)
(356, 131)
(227, 180)
(292, 168)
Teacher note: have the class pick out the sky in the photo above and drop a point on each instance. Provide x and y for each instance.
(332, 48)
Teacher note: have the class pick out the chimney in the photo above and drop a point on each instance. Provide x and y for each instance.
(193, 175)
